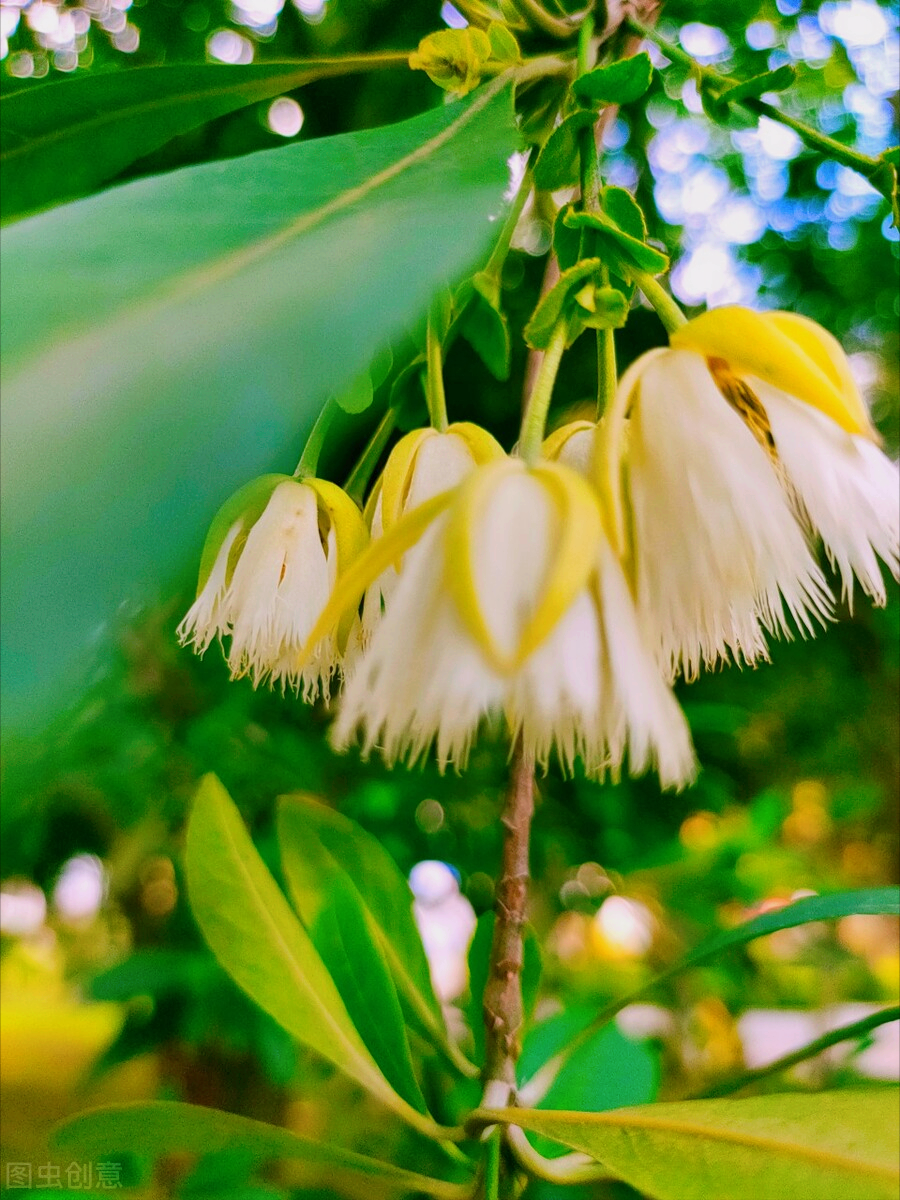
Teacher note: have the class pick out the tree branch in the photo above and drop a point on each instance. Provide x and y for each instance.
(502, 1003)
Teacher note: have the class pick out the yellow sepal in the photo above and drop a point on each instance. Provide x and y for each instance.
(350, 534)
(397, 474)
(554, 444)
(828, 353)
(380, 554)
(753, 344)
(483, 446)
(574, 559)
(460, 576)
(576, 551)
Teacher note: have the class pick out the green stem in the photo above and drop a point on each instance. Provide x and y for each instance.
(359, 477)
(501, 249)
(568, 1169)
(869, 167)
(492, 1165)
(534, 418)
(845, 1034)
(434, 378)
(538, 17)
(666, 308)
(607, 374)
(309, 459)
(585, 45)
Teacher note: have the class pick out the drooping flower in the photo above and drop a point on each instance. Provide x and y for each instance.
(423, 464)
(267, 571)
(509, 601)
(718, 478)
(845, 487)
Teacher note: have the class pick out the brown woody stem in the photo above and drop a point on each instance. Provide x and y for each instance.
(502, 1004)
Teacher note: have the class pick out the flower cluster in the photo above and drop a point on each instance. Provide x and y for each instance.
(564, 596)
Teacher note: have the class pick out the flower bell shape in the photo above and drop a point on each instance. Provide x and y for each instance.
(719, 460)
(423, 464)
(510, 601)
(267, 570)
(845, 488)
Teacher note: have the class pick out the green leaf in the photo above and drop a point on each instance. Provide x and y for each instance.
(159, 1128)
(604, 308)
(619, 83)
(69, 137)
(407, 396)
(479, 961)
(252, 931)
(892, 156)
(845, 1033)
(831, 1146)
(227, 302)
(871, 901)
(358, 396)
(558, 162)
(334, 913)
(485, 328)
(621, 248)
(751, 89)
(566, 241)
(606, 1071)
(386, 899)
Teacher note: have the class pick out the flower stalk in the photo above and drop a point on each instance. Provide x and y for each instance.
(666, 309)
(871, 168)
(534, 416)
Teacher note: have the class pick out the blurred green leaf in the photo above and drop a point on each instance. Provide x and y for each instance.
(253, 933)
(70, 136)
(485, 327)
(227, 301)
(619, 83)
(332, 907)
(607, 1071)
(384, 894)
(874, 901)
(831, 1146)
(157, 1129)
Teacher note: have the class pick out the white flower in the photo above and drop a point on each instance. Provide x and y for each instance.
(719, 557)
(719, 459)
(423, 464)
(268, 570)
(511, 601)
(844, 486)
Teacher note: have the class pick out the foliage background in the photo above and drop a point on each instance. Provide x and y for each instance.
(801, 759)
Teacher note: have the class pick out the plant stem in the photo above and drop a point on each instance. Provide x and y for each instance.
(666, 308)
(538, 17)
(495, 263)
(866, 166)
(567, 1169)
(309, 459)
(534, 417)
(358, 479)
(434, 378)
(502, 1001)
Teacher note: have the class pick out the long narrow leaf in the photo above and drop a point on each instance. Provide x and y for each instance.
(69, 137)
(160, 1128)
(830, 1146)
